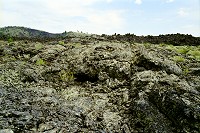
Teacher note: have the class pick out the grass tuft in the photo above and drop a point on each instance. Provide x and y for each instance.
(178, 59)
(40, 62)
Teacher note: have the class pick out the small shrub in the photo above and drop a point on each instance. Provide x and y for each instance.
(66, 76)
(8, 58)
(195, 54)
(162, 44)
(147, 45)
(61, 42)
(77, 44)
(170, 47)
(197, 58)
(178, 59)
(10, 40)
(39, 46)
(186, 71)
(26, 56)
(182, 50)
(40, 62)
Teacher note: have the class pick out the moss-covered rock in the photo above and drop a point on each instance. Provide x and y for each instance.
(97, 86)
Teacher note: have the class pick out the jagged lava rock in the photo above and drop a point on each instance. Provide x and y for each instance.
(95, 87)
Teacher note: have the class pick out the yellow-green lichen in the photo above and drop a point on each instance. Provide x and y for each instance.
(178, 59)
(40, 62)
(61, 42)
(39, 46)
(66, 76)
(195, 54)
(182, 49)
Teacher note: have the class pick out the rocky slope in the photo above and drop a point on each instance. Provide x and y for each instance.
(20, 33)
(23, 33)
(173, 39)
(92, 86)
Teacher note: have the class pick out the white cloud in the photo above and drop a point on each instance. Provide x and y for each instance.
(183, 12)
(109, 1)
(60, 15)
(106, 21)
(138, 2)
(170, 1)
(94, 16)
(81, 16)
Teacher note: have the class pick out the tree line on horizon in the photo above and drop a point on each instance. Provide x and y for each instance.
(22, 33)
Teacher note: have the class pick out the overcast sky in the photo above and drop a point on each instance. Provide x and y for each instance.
(141, 17)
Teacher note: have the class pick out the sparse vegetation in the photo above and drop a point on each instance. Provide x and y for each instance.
(186, 71)
(40, 62)
(61, 42)
(195, 54)
(189, 51)
(10, 40)
(66, 76)
(77, 44)
(8, 58)
(178, 59)
(147, 45)
(83, 83)
(162, 44)
(38, 46)
(182, 49)
(23, 33)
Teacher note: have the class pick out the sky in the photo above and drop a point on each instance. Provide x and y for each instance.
(139, 17)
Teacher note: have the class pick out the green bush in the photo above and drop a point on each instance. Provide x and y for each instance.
(178, 59)
(76, 45)
(61, 42)
(10, 40)
(38, 46)
(162, 44)
(66, 76)
(170, 47)
(186, 71)
(40, 62)
(195, 54)
(182, 50)
(147, 45)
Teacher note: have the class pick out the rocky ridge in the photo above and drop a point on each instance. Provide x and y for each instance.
(97, 86)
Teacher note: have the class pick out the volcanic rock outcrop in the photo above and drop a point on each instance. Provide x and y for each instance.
(100, 87)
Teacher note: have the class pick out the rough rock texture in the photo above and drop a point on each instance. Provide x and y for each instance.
(174, 39)
(99, 87)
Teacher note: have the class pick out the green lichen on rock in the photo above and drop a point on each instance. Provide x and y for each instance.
(98, 86)
(39, 46)
(178, 59)
(40, 62)
(66, 76)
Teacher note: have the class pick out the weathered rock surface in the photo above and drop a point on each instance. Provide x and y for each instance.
(102, 88)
